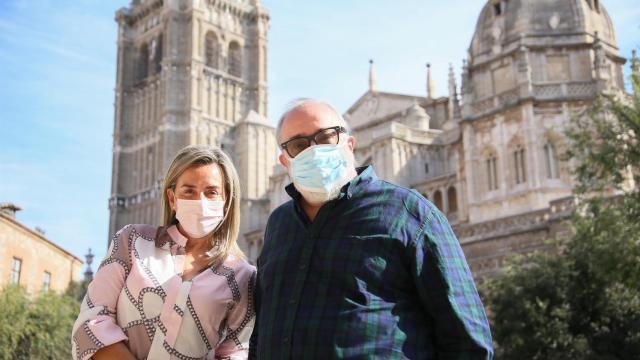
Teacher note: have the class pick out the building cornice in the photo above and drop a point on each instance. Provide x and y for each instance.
(38, 235)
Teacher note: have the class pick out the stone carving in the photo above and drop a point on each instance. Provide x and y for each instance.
(554, 21)
(508, 97)
(483, 106)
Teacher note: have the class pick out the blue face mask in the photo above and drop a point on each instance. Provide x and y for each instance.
(321, 169)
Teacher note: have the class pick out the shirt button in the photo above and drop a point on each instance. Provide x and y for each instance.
(292, 302)
(303, 266)
(286, 340)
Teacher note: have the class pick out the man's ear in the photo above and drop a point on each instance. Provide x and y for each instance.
(351, 142)
(284, 161)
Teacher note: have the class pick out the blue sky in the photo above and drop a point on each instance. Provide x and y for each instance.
(57, 74)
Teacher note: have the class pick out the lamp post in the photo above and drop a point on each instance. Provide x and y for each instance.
(88, 274)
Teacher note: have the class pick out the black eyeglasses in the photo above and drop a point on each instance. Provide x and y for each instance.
(327, 136)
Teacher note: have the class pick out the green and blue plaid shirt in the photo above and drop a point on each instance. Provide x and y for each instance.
(379, 274)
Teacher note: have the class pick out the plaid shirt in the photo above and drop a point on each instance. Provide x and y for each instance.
(379, 274)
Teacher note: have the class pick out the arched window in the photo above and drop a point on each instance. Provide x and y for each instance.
(142, 63)
(551, 161)
(437, 199)
(235, 59)
(491, 168)
(452, 199)
(497, 9)
(157, 55)
(211, 50)
(519, 165)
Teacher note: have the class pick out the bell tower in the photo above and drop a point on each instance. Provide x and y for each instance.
(189, 72)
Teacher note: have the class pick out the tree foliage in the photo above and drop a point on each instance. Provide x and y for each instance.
(77, 289)
(583, 302)
(36, 328)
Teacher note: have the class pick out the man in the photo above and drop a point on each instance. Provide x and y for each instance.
(355, 267)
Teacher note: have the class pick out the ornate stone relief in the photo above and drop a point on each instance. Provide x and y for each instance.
(554, 21)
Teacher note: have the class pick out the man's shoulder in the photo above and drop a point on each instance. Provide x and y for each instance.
(409, 199)
(407, 195)
(283, 211)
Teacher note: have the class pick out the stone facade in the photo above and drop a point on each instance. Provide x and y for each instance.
(43, 265)
(487, 154)
(190, 72)
(489, 158)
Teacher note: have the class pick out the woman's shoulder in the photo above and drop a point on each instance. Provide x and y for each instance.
(241, 277)
(126, 237)
(242, 270)
(137, 230)
(121, 244)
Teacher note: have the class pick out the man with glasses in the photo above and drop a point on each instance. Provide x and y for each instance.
(354, 267)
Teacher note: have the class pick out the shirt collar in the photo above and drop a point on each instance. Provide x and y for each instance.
(366, 175)
(176, 236)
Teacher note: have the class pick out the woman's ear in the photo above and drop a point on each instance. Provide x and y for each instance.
(172, 199)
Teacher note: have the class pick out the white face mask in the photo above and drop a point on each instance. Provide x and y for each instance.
(320, 171)
(199, 218)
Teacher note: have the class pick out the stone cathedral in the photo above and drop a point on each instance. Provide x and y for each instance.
(487, 154)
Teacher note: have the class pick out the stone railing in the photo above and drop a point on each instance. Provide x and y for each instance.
(152, 192)
(558, 210)
(483, 106)
(565, 90)
(572, 90)
(503, 99)
(509, 97)
(392, 129)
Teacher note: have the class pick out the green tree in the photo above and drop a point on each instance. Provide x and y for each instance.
(14, 306)
(77, 289)
(38, 328)
(583, 301)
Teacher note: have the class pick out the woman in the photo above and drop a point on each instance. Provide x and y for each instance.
(179, 291)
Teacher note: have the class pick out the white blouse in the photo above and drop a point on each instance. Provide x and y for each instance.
(138, 296)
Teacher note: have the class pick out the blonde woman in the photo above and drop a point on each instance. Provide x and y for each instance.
(179, 291)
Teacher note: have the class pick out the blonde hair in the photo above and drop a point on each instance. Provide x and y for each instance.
(224, 238)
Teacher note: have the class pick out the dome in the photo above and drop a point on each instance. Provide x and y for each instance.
(549, 22)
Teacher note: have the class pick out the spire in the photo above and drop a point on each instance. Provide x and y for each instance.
(430, 87)
(635, 63)
(453, 92)
(454, 105)
(464, 81)
(372, 76)
(466, 89)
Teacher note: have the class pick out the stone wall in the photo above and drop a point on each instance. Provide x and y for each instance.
(488, 245)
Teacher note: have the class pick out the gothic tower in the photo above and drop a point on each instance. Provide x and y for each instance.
(190, 72)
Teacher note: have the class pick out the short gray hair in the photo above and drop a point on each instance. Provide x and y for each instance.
(300, 102)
